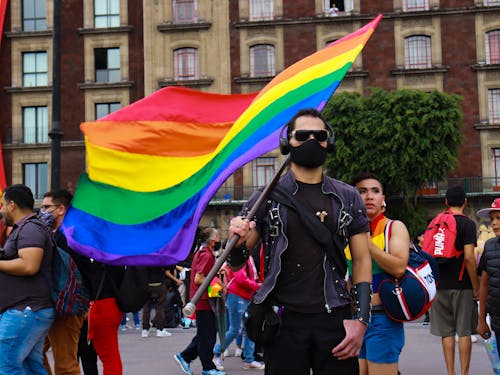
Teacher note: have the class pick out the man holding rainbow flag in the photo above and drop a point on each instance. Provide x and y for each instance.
(304, 283)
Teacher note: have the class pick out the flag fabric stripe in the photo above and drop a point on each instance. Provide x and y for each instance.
(209, 107)
(183, 139)
(147, 213)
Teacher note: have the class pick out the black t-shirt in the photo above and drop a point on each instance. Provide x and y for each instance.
(299, 286)
(451, 270)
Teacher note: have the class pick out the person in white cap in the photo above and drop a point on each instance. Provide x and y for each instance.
(489, 268)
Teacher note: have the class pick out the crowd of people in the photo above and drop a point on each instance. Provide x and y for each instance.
(301, 287)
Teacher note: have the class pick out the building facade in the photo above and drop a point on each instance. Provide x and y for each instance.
(114, 52)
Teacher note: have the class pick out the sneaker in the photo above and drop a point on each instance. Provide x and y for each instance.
(123, 327)
(162, 333)
(473, 338)
(138, 327)
(145, 333)
(254, 366)
(237, 352)
(213, 372)
(218, 363)
(227, 353)
(186, 369)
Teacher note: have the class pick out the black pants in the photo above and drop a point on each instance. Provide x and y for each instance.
(305, 343)
(203, 343)
(157, 296)
(86, 352)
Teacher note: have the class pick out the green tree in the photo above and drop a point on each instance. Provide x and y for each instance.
(406, 137)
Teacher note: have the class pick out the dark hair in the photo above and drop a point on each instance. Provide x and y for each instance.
(366, 176)
(61, 196)
(207, 234)
(311, 112)
(455, 196)
(21, 195)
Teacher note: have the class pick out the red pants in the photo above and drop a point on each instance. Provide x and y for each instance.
(104, 319)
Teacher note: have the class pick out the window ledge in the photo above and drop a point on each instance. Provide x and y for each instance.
(253, 79)
(28, 34)
(434, 69)
(187, 82)
(357, 73)
(105, 85)
(484, 66)
(105, 30)
(173, 27)
(485, 125)
(19, 89)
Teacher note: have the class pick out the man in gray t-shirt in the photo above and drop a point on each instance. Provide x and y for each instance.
(26, 308)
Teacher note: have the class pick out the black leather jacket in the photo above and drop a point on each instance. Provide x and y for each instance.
(350, 219)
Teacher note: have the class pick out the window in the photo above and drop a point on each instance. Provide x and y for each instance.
(415, 5)
(418, 52)
(106, 13)
(262, 61)
(35, 176)
(35, 125)
(185, 11)
(107, 64)
(493, 47)
(104, 109)
(261, 10)
(494, 106)
(35, 69)
(495, 163)
(263, 170)
(34, 15)
(333, 7)
(185, 64)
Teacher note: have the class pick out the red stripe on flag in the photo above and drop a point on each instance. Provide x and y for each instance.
(3, 9)
(3, 181)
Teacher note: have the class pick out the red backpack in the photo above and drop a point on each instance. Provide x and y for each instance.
(440, 236)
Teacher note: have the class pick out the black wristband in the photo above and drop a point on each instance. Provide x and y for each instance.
(238, 257)
(361, 294)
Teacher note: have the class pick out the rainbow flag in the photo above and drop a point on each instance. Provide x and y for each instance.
(149, 180)
(3, 10)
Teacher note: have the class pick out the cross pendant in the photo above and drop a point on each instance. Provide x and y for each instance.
(321, 215)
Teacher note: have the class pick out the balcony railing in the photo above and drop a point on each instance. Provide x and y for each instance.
(472, 185)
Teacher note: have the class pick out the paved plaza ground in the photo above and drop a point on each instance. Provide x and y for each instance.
(422, 354)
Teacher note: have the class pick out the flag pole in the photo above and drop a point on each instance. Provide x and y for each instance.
(188, 310)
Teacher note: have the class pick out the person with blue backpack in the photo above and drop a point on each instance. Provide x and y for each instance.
(26, 307)
(384, 338)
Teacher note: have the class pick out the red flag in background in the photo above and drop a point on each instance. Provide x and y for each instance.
(3, 9)
(3, 181)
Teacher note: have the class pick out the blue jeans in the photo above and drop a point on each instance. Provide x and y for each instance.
(136, 319)
(236, 306)
(22, 334)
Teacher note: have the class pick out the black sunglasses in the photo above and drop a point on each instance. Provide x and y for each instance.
(303, 135)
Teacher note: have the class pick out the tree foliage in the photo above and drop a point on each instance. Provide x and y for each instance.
(406, 137)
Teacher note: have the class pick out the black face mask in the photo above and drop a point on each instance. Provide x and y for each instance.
(217, 246)
(309, 154)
